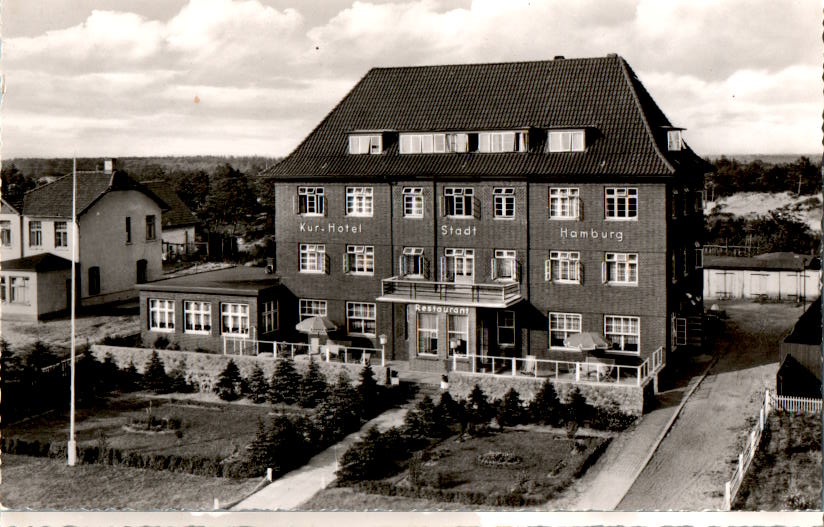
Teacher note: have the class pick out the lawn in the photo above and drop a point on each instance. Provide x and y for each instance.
(786, 471)
(42, 483)
(538, 465)
(207, 430)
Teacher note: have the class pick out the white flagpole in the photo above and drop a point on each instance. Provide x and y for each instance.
(72, 447)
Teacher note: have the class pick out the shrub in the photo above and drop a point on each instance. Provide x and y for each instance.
(280, 447)
(478, 408)
(447, 412)
(40, 355)
(576, 409)
(369, 458)
(421, 421)
(368, 391)
(258, 386)
(177, 378)
(285, 385)
(545, 407)
(109, 372)
(340, 413)
(509, 409)
(154, 375)
(610, 418)
(161, 343)
(313, 386)
(130, 378)
(230, 382)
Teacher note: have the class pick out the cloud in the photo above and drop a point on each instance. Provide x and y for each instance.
(265, 73)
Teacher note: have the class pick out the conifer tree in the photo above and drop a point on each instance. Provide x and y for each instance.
(177, 378)
(285, 385)
(368, 391)
(230, 382)
(258, 387)
(510, 411)
(154, 374)
(313, 386)
(546, 408)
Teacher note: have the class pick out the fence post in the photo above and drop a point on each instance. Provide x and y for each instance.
(577, 371)
(217, 504)
(454, 362)
(727, 497)
(269, 474)
(513, 365)
(327, 353)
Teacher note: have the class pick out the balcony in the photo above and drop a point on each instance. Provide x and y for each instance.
(497, 295)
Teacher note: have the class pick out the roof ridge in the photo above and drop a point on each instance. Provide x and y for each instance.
(499, 63)
(625, 69)
(46, 184)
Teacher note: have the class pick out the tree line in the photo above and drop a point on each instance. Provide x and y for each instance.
(802, 177)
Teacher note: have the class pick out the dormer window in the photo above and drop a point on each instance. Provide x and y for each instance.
(566, 141)
(502, 142)
(674, 141)
(365, 144)
(434, 143)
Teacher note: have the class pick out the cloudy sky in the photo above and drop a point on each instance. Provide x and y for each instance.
(239, 77)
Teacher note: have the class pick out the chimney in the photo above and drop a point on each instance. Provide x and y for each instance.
(108, 166)
(559, 57)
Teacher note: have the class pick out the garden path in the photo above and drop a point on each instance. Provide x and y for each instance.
(294, 488)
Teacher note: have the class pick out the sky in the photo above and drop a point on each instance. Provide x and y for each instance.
(116, 78)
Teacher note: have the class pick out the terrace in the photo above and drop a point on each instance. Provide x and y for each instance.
(498, 295)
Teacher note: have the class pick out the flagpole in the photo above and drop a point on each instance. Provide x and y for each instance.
(72, 447)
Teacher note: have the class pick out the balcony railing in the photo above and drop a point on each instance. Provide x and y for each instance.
(500, 295)
(559, 370)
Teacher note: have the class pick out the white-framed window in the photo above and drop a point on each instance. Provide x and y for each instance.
(458, 264)
(161, 315)
(151, 230)
(311, 308)
(561, 326)
(61, 234)
(502, 142)
(5, 233)
(270, 316)
(566, 141)
(234, 319)
(128, 229)
(310, 201)
(674, 140)
(621, 203)
(35, 233)
(360, 259)
(564, 203)
(18, 289)
(197, 317)
(563, 267)
(458, 201)
(506, 328)
(457, 142)
(427, 334)
(623, 333)
(413, 202)
(360, 318)
(621, 268)
(312, 258)
(412, 262)
(504, 265)
(359, 201)
(457, 334)
(365, 144)
(504, 202)
(423, 143)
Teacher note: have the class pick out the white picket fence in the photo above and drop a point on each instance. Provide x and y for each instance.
(780, 403)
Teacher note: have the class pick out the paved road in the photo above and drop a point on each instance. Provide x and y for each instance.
(296, 487)
(691, 465)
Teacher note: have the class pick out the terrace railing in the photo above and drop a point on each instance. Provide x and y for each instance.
(328, 352)
(397, 289)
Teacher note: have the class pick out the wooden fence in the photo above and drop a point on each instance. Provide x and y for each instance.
(780, 403)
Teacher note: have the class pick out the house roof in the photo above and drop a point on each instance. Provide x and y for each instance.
(626, 130)
(808, 328)
(10, 207)
(40, 263)
(55, 199)
(178, 215)
(231, 280)
(780, 261)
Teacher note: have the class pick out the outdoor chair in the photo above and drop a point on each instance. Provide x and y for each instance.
(602, 368)
(530, 366)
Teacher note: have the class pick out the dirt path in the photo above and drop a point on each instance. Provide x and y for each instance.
(689, 468)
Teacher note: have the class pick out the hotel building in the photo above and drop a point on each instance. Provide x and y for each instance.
(494, 210)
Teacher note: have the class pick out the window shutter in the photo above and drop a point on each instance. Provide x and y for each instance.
(492, 272)
(327, 264)
(401, 271)
(580, 208)
(345, 263)
(426, 267)
(603, 272)
(325, 206)
(680, 331)
(547, 270)
(442, 263)
(580, 269)
(672, 331)
(476, 208)
(517, 271)
(294, 204)
(442, 205)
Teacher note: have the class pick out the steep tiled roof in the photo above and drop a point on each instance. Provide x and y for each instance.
(602, 94)
(40, 263)
(55, 199)
(178, 214)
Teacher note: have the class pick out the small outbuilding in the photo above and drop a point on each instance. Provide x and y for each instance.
(778, 276)
(204, 311)
(800, 356)
(34, 287)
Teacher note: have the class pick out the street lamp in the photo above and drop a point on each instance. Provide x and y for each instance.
(382, 340)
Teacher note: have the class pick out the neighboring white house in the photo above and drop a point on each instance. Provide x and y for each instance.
(778, 276)
(179, 222)
(119, 235)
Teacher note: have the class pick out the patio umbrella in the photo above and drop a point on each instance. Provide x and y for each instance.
(316, 325)
(586, 341)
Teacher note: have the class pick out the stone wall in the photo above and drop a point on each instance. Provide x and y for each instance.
(630, 399)
(203, 369)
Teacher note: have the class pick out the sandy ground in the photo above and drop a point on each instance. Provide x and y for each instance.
(691, 465)
(57, 332)
(751, 204)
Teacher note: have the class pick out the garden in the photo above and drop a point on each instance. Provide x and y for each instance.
(451, 452)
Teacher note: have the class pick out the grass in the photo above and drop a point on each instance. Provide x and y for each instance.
(208, 429)
(42, 483)
(786, 471)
